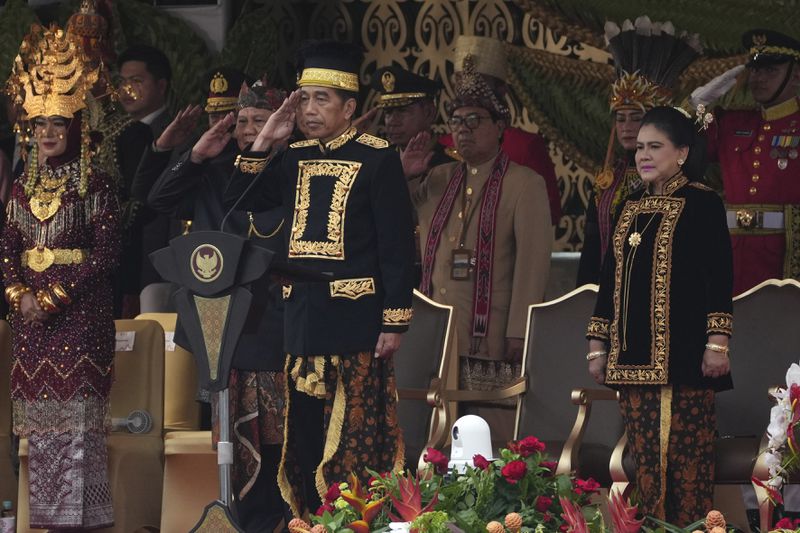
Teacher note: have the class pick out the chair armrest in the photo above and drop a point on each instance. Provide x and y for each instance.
(583, 398)
(515, 388)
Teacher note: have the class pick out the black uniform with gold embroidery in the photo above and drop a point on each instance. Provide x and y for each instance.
(665, 286)
(352, 218)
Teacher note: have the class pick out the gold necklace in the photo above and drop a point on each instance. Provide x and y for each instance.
(46, 199)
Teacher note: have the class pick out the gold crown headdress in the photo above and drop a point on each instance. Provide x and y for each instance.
(50, 74)
(51, 77)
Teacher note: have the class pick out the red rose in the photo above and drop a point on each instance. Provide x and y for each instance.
(784, 523)
(326, 507)
(550, 465)
(529, 446)
(546, 517)
(480, 461)
(587, 486)
(514, 471)
(333, 493)
(542, 503)
(437, 459)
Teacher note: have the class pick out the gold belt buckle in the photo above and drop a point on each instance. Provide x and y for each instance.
(749, 219)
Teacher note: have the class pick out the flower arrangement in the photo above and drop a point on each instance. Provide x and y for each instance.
(782, 456)
(518, 492)
(520, 484)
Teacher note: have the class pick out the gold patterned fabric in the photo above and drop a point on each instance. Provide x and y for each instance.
(352, 288)
(671, 441)
(360, 428)
(345, 173)
(720, 323)
(250, 165)
(598, 329)
(397, 317)
(213, 312)
(324, 77)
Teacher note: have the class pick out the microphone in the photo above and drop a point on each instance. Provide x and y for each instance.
(236, 203)
(138, 421)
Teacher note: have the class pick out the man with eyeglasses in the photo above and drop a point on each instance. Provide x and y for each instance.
(486, 233)
(524, 148)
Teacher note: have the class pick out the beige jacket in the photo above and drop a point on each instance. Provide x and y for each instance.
(523, 242)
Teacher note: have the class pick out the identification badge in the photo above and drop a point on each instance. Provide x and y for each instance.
(461, 264)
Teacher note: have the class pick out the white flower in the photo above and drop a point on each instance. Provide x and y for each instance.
(778, 424)
(775, 482)
(793, 375)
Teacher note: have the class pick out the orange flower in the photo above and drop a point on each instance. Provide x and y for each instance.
(359, 499)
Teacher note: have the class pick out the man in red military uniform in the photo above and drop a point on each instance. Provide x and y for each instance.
(522, 147)
(758, 153)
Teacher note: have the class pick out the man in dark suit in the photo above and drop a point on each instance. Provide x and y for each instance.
(352, 219)
(145, 75)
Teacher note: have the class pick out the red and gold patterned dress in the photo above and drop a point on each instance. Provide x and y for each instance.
(62, 369)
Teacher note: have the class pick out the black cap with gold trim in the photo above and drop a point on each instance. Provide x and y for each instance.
(399, 87)
(329, 63)
(223, 89)
(768, 47)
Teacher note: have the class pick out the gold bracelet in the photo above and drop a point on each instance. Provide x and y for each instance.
(594, 355)
(717, 348)
(58, 291)
(46, 302)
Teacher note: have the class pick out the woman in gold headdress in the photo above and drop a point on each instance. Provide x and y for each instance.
(59, 246)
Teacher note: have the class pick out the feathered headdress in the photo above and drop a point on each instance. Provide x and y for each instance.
(648, 58)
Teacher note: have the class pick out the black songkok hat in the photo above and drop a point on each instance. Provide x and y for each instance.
(767, 47)
(329, 63)
(399, 87)
(223, 89)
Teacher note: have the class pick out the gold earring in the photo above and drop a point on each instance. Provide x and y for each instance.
(681, 162)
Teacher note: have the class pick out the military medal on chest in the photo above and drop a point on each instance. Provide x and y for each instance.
(784, 148)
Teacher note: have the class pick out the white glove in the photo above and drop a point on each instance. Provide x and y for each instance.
(711, 91)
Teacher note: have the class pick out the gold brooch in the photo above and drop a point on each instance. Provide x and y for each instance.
(388, 81)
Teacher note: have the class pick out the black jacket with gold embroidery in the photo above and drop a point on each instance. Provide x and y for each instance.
(665, 286)
(351, 218)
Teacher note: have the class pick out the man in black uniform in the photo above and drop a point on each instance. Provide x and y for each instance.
(352, 218)
(409, 107)
(192, 189)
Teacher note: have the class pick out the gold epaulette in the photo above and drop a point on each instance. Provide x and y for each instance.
(250, 165)
(701, 186)
(453, 153)
(371, 140)
(304, 144)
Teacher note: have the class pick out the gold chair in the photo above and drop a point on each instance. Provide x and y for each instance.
(556, 372)
(553, 372)
(134, 460)
(420, 366)
(181, 409)
(8, 480)
(191, 479)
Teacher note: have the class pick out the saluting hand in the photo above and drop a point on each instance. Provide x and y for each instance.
(365, 122)
(180, 128)
(212, 142)
(417, 155)
(279, 126)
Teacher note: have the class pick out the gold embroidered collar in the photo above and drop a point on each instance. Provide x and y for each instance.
(781, 110)
(673, 184)
(341, 140)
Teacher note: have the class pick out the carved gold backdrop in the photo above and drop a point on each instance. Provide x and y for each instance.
(419, 35)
